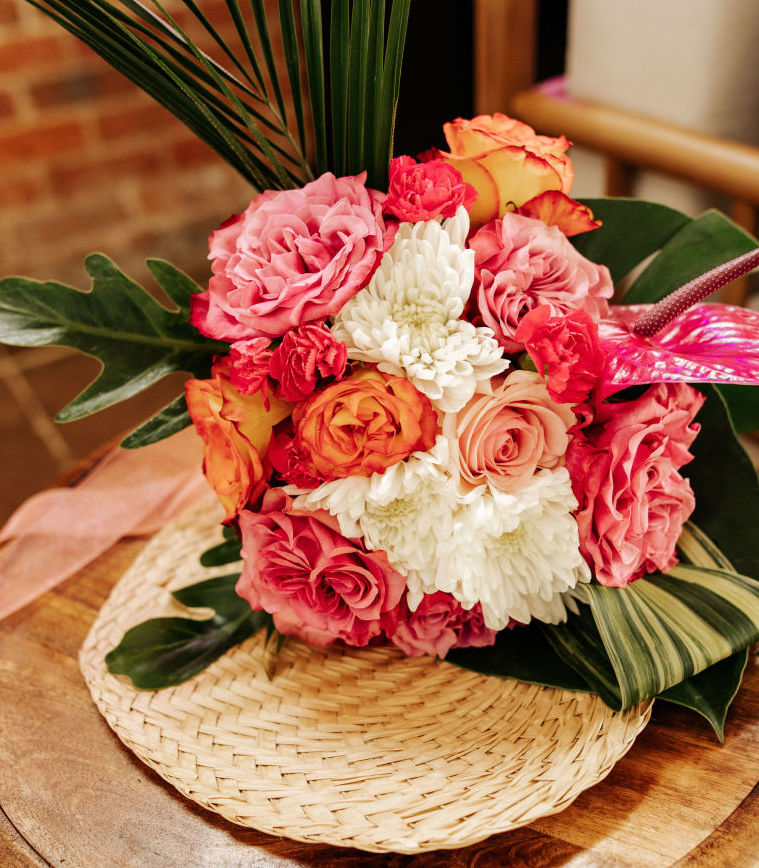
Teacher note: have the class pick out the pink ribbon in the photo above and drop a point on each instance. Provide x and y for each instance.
(129, 493)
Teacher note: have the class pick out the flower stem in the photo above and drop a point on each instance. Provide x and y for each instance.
(672, 305)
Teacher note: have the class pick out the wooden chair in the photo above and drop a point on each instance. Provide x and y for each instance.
(631, 142)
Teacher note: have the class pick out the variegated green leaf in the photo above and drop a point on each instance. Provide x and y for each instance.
(663, 629)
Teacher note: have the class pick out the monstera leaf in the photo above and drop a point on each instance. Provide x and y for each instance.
(136, 339)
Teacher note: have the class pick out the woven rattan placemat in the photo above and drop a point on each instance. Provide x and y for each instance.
(362, 748)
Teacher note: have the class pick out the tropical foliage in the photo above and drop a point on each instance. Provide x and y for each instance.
(331, 107)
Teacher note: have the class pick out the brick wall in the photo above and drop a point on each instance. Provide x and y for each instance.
(89, 162)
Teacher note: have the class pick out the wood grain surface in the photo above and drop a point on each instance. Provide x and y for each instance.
(72, 795)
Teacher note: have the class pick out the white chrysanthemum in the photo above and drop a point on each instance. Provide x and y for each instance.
(407, 511)
(515, 554)
(407, 319)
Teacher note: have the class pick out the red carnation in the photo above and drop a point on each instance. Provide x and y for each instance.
(566, 349)
(307, 356)
(424, 191)
(249, 365)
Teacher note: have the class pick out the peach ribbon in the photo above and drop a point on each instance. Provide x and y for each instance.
(129, 493)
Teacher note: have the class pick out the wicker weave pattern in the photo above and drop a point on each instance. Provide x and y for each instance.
(368, 749)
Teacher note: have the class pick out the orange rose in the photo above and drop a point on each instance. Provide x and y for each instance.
(363, 425)
(555, 208)
(235, 429)
(506, 162)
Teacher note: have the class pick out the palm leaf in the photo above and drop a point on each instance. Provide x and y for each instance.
(313, 42)
(237, 101)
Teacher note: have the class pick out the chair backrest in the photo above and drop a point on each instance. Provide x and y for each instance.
(630, 142)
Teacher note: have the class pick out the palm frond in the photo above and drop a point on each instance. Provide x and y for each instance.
(226, 82)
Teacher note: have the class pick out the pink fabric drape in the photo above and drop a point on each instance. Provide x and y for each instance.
(59, 531)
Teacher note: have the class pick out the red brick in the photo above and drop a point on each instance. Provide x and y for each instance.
(40, 142)
(79, 87)
(192, 152)
(18, 191)
(88, 174)
(7, 105)
(70, 223)
(29, 51)
(140, 119)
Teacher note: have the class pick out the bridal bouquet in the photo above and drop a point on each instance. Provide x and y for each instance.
(426, 420)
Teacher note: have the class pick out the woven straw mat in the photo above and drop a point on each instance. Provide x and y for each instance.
(363, 748)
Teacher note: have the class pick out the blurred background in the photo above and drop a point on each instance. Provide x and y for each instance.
(88, 162)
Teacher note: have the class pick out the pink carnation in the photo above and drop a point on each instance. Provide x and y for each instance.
(521, 263)
(306, 356)
(438, 624)
(566, 349)
(632, 501)
(294, 256)
(318, 585)
(426, 190)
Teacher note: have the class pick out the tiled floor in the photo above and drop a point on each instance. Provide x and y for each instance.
(34, 450)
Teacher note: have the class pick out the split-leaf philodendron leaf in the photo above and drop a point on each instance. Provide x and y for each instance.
(137, 340)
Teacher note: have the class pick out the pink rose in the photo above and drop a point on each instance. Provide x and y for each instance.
(521, 263)
(293, 257)
(318, 585)
(504, 437)
(632, 501)
(439, 624)
(566, 349)
(306, 356)
(426, 190)
(249, 365)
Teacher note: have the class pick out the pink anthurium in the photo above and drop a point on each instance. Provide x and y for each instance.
(708, 343)
(679, 339)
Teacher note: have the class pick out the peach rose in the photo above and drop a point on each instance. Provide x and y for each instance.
(235, 430)
(363, 425)
(506, 162)
(521, 263)
(504, 437)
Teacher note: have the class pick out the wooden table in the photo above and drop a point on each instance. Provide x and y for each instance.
(72, 795)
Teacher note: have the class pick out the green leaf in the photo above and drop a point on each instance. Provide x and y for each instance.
(743, 407)
(338, 75)
(292, 62)
(191, 84)
(579, 644)
(521, 653)
(632, 230)
(710, 692)
(175, 283)
(311, 21)
(137, 340)
(163, 652)
(357, 76)
(726, 487)
(389, 90)
(710, 240)
(172, 418)
(660, 630)
(226, 552)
